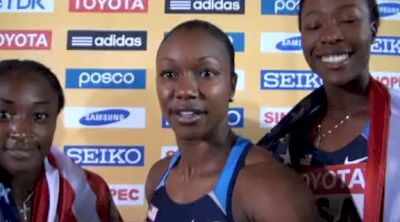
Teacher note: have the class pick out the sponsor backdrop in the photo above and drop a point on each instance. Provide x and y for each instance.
(103, 52)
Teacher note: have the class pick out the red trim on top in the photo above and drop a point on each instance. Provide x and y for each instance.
(379, 106)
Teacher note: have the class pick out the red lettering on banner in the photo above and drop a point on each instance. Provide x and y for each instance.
(25, 39)
(125, 194)
(336, 179)
(389, 81)
(273, 117)
(108, 5)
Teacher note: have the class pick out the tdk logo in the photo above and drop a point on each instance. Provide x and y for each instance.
(237, 39)
(107, 40)
(280, 7)
(389, 79)
(389, 10)
(289, 79)
(25, 6)
(280, 42)
(270, 116)
(205, 6)
(235, 118)
(105, 78)
(108, 5)
(25, 39)
(97, 117)
(386, 45)
(106, 155)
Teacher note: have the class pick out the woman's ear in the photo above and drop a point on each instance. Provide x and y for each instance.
(374, 30)
(234, 77)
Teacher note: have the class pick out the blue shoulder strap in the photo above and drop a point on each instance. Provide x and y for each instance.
(224, 186)
(172, 163)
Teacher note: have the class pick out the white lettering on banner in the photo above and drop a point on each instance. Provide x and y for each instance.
(106, 78)
(25, 39)
(105, 117)
(283, 5)
(386, 45)
(218, 5)
(95, 156)
(291, 80)
(121, 41)
(112, 5)
(127, 194)
(336, 179)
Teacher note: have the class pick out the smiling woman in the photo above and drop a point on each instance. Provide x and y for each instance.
(216, 175)
(37, 182)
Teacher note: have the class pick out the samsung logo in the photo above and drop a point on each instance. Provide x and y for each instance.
(289, 79)
(205, 6)
(386, 45)
(280, 7)
(107, 40)
(235, 118)
(105, 78)
(389, 10)
(26, 6)
(108, 6)
(92, 117)
(280, 42)
(237, 39)
(106, 155)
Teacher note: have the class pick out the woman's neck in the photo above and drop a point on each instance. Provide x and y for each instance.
(22, 185)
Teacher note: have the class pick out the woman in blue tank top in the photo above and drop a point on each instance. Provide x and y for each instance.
(216, 175)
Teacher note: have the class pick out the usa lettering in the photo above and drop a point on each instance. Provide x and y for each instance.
(24, 40)
(22, 4)
(108, 5)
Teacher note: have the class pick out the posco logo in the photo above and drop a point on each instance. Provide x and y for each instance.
(205, 6)
(280, 7)
(107, 40)
(289, 79)
(237, 39)
(106, 155)
(97, 117)
(106, 78)
(389, 10)
(26, 6)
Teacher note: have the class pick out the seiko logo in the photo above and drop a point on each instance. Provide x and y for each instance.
(280, 7)
(289, 79)
(97, 117)
(107, 40)
(106, 155)
(389, 10)
(25, 39)
(205, 6)
(386, 45)
(108, 5)
(10, 6)
(270, 116)
(106, 78)
(104, 117)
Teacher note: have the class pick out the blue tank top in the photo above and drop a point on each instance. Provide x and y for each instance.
(214, 206)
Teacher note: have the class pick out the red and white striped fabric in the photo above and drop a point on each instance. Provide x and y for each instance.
(66, 192)
(382, 189)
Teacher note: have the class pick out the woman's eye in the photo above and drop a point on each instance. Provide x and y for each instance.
(4, 115)
(168, 74)
(207, 73)
(39, 117)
